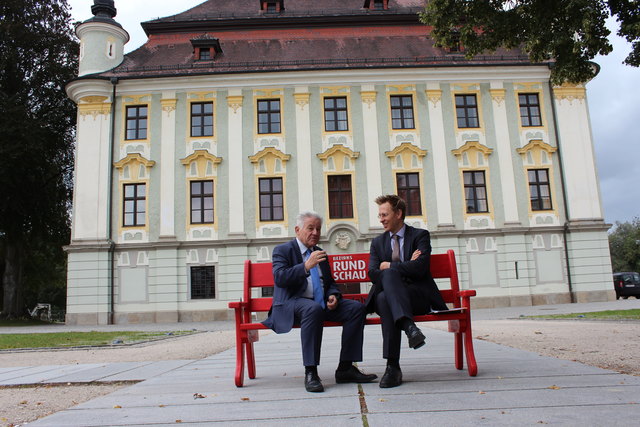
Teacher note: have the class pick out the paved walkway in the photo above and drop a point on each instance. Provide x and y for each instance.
(513, 387)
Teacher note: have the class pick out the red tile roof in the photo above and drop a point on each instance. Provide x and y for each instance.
(308, 35)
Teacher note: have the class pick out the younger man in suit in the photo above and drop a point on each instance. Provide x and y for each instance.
(402, 283)
(306, 294)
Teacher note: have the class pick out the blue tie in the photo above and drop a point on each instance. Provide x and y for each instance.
(318, 292)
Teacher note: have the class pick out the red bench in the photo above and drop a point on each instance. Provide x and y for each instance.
(348, 269)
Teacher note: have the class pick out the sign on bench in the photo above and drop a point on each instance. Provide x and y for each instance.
(350, 268)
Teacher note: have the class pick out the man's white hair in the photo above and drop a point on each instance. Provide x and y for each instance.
(302, 216)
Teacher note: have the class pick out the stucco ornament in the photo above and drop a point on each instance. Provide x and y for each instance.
(343, 240)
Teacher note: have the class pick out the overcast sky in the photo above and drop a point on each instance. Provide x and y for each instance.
(612, 98)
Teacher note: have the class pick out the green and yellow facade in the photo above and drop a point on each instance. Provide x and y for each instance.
(511, 253)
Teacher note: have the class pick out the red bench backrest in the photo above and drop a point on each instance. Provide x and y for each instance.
(350, 268)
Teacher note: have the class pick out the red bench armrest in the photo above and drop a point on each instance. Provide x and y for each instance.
(237, 304)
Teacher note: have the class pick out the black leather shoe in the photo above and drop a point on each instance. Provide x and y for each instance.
(353, 375)
(392, 377)
(312, 383)
(416, 337)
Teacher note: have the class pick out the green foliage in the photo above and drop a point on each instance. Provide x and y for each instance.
(624, 244)
(75, 339)
(633, 314)
(568, 33)
(38, 56)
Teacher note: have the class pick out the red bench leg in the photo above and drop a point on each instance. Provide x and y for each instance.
(251, 359)
(239, 377)
(472, 366)
(456, 328)
(458, 350)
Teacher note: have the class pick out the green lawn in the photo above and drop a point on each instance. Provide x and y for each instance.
(73, 339)
(633, 314)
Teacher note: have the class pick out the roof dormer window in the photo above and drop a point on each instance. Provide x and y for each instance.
(204, 53)
(456, 47)
(376, 4)
(272, 6)
(206, 48)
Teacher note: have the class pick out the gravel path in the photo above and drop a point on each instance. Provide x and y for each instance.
(605, 344)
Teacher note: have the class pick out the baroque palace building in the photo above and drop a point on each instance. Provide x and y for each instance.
(196, 152)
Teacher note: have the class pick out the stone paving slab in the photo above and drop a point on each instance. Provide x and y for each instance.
(147, 371)
(513, 387)
(559, 416)
(101, 372)
(45, 374)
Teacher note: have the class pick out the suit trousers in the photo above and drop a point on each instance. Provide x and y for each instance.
(396, 300)
(309, 315)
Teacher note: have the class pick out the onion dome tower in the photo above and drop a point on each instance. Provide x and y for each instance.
(102, 39)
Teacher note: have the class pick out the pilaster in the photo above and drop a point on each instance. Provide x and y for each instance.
(576, 146)
(505, 154)
(439, 149)
(303, 147)
(167, 166)
(236, 181)
(372, 149)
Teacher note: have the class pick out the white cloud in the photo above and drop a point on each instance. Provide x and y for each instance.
(615, 113)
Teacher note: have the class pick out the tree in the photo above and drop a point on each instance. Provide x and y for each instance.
(624, 244)
(570, 33)
(38, 56)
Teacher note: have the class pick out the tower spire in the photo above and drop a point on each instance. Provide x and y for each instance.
(104, 8)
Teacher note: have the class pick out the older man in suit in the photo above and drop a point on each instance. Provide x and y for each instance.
(306, 294)
(402, 283)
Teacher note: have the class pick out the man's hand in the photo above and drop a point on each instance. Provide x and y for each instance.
(332, 302)
(315, 258)
(414, 256)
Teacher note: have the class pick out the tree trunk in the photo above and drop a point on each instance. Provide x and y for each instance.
(12, 281)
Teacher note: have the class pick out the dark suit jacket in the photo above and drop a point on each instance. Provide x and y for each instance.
(415, 272)
(290, 283)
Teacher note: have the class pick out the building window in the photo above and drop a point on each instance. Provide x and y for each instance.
(203, 282)
(271, 199)
(202, 119)
(205, 54)
(201, 202)
(475, 192)
(402, 112)
(409, 191)
(272, 6)
(340, 199)
(376, 4)
(335, 114)
(539, 189)
(467, 111)
(456, 45)
(529, 109)
(137, 122)
(134, 211)
(269, 116)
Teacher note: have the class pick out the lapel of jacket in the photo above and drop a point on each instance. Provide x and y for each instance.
(297, 256)
(407, 245)
(386, 246)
